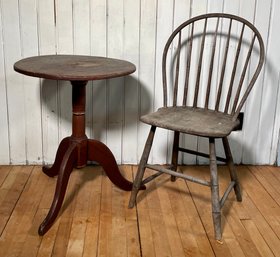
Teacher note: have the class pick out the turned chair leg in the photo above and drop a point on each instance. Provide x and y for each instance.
(232, 171)
(141, 168)
(216, 207)
(175, 150)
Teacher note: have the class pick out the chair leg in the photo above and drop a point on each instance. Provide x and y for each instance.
(175, 150)
(232, 171)
(141, 168)
(216, 207)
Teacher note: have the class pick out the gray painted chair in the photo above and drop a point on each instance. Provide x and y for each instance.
(210, 64)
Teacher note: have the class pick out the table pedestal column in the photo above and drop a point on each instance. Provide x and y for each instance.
(75, 151)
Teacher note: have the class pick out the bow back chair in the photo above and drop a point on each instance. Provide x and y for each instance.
(209, 66)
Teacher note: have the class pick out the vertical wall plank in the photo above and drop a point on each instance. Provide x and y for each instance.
(252, 107)
(47, 45)
(262, 99)
(32, 95)
(4, 127)
(268, 114)
(146, 68)
(115, 91)
(81, 32)
(131, 87)
(216, 6)
(275, 148)
(64, 37)
(164, 29)
(193, 142)
(81, 27)
(235, 138)
(203, 143)
(247, 9)
(14, 81)
(99, 88)
(182, 12)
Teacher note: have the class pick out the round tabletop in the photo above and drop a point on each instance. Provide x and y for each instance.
(73, 67)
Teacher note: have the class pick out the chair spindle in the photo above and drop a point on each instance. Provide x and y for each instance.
(175, 91)
(243, 75)
(199, 65)
(211, 65)
(189, 57)
(223, 69)
(234, 70)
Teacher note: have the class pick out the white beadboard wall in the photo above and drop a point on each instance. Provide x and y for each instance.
(36, 114)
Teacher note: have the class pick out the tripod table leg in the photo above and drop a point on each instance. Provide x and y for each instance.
(67, 164)
(53, 170)
(99, 152)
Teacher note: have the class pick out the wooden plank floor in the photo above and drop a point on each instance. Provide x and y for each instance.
(171, 219)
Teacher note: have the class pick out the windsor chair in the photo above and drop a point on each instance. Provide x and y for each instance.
(209, 66)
